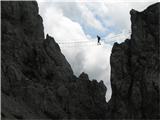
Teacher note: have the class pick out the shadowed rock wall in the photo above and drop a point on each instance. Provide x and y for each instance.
(135, 68)
(37, 81)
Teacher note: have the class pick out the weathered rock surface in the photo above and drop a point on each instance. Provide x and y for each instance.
(135, 69)
(37, 81)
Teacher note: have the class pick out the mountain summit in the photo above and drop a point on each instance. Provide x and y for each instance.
(37, 81)
(135, 68)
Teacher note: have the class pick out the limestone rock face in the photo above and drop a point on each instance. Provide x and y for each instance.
(37, 81)
(135, 68)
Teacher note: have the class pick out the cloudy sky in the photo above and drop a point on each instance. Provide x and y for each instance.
(74, 24)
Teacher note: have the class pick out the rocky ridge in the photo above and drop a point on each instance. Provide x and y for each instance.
(37, 81)
(135, 68)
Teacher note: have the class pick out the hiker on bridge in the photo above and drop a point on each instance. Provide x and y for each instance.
(98, 42)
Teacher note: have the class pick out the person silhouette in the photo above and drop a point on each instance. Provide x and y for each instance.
(98, 42)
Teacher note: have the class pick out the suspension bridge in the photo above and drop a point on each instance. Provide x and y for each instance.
(93, 42)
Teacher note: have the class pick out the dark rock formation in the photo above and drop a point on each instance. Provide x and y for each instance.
(37, 81)
(135, 69)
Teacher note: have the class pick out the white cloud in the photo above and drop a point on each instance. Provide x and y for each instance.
(89, 17)
(62, 28)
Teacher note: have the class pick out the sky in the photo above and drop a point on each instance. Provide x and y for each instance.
(74, 24)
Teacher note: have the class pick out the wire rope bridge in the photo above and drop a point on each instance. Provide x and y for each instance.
(80, 43)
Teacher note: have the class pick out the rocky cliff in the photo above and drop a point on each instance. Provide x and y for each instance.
(135, 69)
(36, 80)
